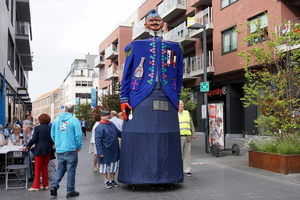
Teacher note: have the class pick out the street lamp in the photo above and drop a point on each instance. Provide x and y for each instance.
(200, 26)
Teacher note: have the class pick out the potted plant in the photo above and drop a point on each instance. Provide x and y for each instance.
(272, 74)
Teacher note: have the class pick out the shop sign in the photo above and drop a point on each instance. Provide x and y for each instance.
(217, 91)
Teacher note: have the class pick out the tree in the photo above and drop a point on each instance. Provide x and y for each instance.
(185, 96)
(85, 111)
(272, 75)
(112, 101)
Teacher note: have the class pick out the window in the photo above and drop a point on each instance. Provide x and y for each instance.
(259, 24)
(90, 83)
(78, 83)
(12, 12)
(102, 73)
(84, 83)
(225, 3)
(229, 40)
(10, 54)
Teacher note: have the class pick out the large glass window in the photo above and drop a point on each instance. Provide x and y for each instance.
(259, 24)
(10, 54)
(229, 40)
(225, 3)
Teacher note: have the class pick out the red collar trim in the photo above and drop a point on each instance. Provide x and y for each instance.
(103, 122)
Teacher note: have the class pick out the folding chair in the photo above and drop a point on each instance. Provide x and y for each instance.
(15, 160)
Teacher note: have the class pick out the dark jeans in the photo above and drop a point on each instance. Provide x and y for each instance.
(67, 162)
(83, 129)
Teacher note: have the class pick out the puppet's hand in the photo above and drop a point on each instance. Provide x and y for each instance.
(123, 109)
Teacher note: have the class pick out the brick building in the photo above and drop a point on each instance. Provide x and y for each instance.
(224, 67)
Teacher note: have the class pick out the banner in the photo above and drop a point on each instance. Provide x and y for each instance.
(216, 125)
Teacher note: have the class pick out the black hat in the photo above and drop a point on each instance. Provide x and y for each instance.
(104, 113)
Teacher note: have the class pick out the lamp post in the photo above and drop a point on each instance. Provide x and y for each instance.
(200, 26)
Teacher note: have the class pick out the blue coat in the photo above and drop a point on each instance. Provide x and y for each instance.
(106, 141)
(157, 58)
(42, 140)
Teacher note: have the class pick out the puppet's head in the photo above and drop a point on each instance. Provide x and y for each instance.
(153, 21)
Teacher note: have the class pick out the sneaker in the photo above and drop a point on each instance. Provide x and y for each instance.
(33, 189)
(45, 188)
(53, 191)
(189, 174)
(73, 194)
(107, 185)
(95, 169)
(113, 183)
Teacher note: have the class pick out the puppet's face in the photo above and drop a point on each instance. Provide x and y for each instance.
(154, 23)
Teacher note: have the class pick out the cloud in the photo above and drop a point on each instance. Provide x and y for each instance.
(65, 30)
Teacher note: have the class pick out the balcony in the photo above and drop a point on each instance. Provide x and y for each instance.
(139, 31)
(112, 72)
(197, 3)
(281, 30)
(187, 68)
(170, 9)
(111, 52)
(204, 18)
(180, 34)
(99, 61)
(197, 65)
(23, 34)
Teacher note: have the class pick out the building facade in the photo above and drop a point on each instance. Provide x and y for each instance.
(15, 59)
(225, 69)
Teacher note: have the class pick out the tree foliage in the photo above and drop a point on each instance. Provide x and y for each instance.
(85, 111)
(186, 97)
(273, 80)
(112, 101)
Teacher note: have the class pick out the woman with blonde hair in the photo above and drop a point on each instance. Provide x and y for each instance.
(16, 138)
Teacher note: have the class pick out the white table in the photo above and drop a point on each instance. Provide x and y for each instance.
(7, 148)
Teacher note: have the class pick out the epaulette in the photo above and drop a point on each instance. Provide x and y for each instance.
(128, 50)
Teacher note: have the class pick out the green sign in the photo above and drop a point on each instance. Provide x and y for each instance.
(204, 87)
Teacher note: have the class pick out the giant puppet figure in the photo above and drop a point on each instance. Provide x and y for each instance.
(152, 80)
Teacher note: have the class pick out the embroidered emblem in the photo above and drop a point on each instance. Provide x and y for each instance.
(134, 83)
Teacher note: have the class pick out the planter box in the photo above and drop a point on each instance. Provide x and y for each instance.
(273, 162)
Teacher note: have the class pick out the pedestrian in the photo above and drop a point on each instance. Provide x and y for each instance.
(187, 133)
(120, 116)
(16, 138)
(92, 147)
(7, 130)
(43, 143)
(106, 140)
(84, 125)
(28, 134)
(113, 118)
(16, 121)
(67, 136)
(2, 137)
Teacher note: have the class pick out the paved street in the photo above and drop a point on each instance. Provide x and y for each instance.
(226, 177)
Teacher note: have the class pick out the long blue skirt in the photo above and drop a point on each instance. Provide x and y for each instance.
(150, 145)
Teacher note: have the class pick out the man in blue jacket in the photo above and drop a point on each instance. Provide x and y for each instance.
(67, 136)
(152, 80)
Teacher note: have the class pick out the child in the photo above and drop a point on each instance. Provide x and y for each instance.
(106, 141)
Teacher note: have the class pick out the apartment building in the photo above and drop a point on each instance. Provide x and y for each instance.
(79, 82)
(46, 103)
(224, 67)
(15, 58)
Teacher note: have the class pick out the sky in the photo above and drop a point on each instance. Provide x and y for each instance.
(65, 30)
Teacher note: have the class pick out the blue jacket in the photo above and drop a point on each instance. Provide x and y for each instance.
(66, 133)
(146, 61)
(86, 124)
(106, 141)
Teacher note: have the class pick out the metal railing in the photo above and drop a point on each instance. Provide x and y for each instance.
(167, 4)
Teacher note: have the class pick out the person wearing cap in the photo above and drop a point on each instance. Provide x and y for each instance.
(107, 145)
(151, 84)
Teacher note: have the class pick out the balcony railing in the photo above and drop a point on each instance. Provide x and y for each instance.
(187, 68)
(139, 31)
(197, 64)
(283, 30)
(111, 52)
(99, 61)
(205, 18)
(169, 9)
(180, 34)
(22, 28)
(112, 72)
